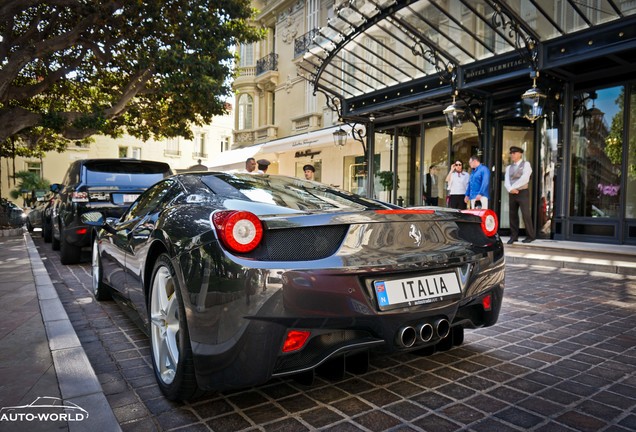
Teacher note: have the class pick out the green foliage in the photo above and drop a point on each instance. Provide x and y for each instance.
(386, 180)
(148, 68)
(29, 182)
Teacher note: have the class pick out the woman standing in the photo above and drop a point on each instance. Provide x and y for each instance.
(457, 180)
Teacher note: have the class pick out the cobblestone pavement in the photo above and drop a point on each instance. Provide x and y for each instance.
(561, 358)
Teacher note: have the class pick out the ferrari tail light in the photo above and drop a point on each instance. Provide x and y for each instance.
(489, 221)
(295, 340)
(239, 231)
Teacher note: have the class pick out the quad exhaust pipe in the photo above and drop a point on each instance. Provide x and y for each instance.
(424, 332)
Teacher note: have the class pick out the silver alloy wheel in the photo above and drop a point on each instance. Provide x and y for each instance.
(164, 328)
(95, 267)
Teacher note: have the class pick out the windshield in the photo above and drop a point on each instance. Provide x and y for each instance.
(287, 192)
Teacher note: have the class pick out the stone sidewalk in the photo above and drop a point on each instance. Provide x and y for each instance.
(40, 354)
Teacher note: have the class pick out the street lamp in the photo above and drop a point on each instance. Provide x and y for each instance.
(533, 100)
(340, 137)
(454, 116)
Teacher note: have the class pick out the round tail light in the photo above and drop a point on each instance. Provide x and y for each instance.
(489, 220)
(239, 231)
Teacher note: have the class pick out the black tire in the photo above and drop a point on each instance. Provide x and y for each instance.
(29, 226)
(69, 254)
(101, 291)
(46, 231)
(176, 380)
(55, 243)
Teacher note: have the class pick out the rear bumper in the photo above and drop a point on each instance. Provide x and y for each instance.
(256, 355)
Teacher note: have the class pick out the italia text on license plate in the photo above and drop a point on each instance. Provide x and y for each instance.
(128, 198)
(417, 290)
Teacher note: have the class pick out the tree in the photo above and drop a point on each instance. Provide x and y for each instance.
(70, 69)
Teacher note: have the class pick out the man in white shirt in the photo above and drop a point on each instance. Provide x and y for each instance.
(517, 180)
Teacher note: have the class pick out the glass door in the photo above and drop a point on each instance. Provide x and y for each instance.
(519, 136)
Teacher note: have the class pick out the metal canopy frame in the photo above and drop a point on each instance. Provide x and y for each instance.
(382, 46)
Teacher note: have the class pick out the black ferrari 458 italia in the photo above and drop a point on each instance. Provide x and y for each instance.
(238, 278)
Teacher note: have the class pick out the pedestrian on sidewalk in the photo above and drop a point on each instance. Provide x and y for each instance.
(516, 182)
(431, 189)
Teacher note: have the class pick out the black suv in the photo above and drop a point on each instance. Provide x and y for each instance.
(105, 185)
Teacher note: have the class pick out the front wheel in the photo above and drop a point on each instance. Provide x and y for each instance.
(101, 291)
(169, 338)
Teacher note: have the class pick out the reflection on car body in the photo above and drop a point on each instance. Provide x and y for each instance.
(239, 278)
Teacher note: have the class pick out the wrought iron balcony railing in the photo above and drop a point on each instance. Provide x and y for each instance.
(267, 63)
(304, 42)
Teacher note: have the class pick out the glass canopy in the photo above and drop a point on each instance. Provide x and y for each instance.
(370, 45)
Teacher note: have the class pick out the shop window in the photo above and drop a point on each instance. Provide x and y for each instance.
(597, 128)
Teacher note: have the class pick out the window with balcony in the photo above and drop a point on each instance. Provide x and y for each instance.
(245, 113)
(200, 151)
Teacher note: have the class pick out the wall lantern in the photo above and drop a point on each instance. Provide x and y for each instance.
(340, 137)
(454, 116)
(533, 100)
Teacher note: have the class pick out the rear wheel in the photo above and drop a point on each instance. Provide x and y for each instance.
(169, 338)
(55, 243)
(101, 291)
(29, 226)
(46, 231)
(69, 254)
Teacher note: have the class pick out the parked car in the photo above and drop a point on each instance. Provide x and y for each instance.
(107, 185)
(36, 216)
(238, 278)
(11, 215)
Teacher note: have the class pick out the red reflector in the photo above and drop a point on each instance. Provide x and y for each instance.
(81, 231)
(405, 211)
(486, 302)
(295, 340)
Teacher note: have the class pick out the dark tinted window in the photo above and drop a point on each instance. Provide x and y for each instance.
(154, 198)
(286, 192)
(124, 174)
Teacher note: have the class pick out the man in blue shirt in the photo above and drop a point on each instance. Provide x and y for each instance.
(477, 192)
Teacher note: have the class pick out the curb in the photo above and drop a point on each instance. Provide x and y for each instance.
(76, 377)
(566, 259)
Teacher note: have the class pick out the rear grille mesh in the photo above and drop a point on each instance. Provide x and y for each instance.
(299, 244)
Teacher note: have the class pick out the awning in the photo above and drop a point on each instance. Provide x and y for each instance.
(372, 46)
(305, 141)
(234, 159)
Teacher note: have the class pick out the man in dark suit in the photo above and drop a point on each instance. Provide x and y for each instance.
(431, 189)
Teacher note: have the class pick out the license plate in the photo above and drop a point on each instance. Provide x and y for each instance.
(416, 291)
(128, 198)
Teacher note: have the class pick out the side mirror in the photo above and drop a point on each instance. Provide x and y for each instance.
(56, 187)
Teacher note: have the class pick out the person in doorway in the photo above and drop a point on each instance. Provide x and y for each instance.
(309, 172)
(516, 182)
(263, 164)
(478, 184)
(457, 181)
(250, 165)
(431, 189)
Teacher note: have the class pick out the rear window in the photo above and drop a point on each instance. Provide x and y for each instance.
(125, 174)
(287, 192)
